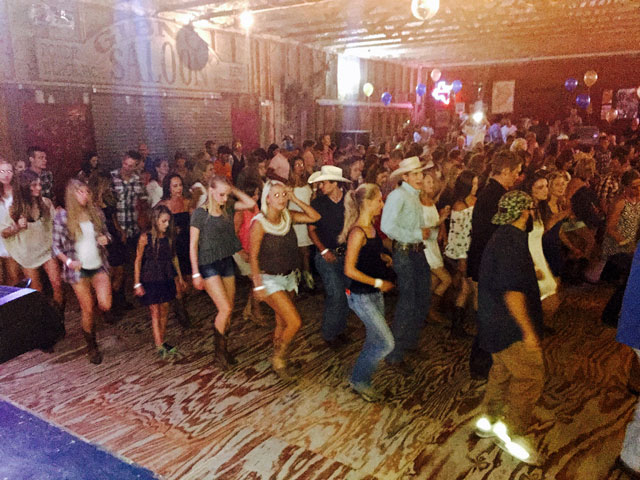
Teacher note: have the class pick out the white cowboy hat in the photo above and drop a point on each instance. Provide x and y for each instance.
(408, 165)
(328, 173)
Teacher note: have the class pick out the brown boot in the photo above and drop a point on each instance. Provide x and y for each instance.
(435, 311)
(222, 355)
(280, 361)
(180, 310)
(93, 353)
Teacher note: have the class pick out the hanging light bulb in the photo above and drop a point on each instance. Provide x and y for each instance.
(246, 20)
(424, 9)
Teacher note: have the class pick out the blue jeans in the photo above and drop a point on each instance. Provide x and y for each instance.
(336, 309)
(379, 340)
(630, 453)
(414, 296)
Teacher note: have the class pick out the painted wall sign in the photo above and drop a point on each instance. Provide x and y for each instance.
(144, 52)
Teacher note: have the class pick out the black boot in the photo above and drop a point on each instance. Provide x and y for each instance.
(93, 353)
(457, 324)
(222, 356)
(181, 313)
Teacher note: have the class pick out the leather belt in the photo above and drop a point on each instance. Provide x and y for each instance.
(408, 247)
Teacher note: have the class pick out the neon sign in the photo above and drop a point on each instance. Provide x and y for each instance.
(442, 92)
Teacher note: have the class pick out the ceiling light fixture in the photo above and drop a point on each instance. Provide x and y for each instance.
(424, 9)
(246, 19)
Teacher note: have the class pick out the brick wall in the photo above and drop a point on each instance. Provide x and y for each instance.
(166, 124)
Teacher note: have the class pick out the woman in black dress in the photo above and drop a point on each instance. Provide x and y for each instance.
(180, 207)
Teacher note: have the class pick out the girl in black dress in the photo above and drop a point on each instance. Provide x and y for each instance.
(155, 270)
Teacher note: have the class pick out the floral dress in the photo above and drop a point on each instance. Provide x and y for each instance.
(459, 234)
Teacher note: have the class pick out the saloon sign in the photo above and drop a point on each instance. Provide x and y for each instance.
(143, 52)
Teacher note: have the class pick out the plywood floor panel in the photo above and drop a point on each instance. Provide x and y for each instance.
(188, 420)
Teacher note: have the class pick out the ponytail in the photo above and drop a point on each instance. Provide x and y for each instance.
(354, 199)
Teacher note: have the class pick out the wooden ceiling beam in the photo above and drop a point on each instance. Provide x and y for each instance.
(444, 38)
(320, 34)
(499, 38)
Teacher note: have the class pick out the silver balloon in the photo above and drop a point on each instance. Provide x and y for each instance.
(424, 9)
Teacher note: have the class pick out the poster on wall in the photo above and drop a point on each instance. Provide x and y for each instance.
(627, 103)
(144, 52)
(502, 96)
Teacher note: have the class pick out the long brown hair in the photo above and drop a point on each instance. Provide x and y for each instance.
(156, 212)
(74, 209)
(23, 201)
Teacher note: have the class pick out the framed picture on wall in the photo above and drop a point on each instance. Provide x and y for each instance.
(627, 103)
(502, 96)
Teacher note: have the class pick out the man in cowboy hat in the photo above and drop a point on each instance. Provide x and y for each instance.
(329, 259)
(510, 317)
(402, 222)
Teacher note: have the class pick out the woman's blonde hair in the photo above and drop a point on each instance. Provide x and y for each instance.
(214, 181)
(585, 166)
(353, 202)
(74, 209)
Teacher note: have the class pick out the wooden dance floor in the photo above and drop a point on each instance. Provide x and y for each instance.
(187, 420)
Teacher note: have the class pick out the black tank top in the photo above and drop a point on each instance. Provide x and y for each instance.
(369, 263)
(279, 254)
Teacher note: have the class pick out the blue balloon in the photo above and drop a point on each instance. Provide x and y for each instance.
(583, 100)
(386, 98)
(570, 84)
(456, 86)
(421, 89)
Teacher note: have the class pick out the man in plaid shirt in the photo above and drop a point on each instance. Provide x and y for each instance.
(38, 163)
(129, 192)
(609, 186)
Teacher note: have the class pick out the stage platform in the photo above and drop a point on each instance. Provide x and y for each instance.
(187, 420)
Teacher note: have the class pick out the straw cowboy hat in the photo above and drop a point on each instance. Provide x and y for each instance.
(328, 173)
(411, 164)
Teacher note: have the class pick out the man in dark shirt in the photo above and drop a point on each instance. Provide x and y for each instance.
(510, 316)
(329, 259)
(505, 169)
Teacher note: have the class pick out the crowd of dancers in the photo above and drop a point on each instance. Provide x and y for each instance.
(490, 226)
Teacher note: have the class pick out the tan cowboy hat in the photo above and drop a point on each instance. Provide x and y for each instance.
(411, 164)
(328, 173)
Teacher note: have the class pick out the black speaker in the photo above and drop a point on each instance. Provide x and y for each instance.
(27, 322)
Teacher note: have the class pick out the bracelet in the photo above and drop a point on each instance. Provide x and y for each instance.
(68, 262)
(261, 287)
(377, 283)
(196, 275)
(324, 252)
(137, 285)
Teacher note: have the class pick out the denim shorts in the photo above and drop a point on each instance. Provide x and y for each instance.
(89, 273)
(223, 268)
(277, 283)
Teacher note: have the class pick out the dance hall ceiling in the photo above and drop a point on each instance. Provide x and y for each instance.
(461, 32)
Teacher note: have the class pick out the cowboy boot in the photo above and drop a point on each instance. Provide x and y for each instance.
(93, 353)
(182, 315)
(457, 324)
(220, 346)
(279, 361)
